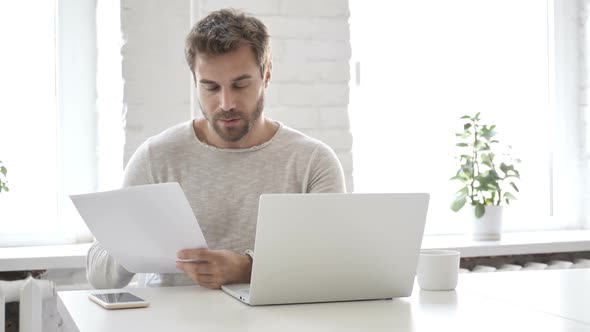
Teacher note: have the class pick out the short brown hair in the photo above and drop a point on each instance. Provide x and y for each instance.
(224, 31)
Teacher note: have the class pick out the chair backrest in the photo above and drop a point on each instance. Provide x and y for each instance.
(30, 293)
(31, 307)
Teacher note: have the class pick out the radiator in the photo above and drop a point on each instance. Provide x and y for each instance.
(551, 265)
(30, 293)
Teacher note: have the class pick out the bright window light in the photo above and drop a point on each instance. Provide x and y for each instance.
(425, 64)
(28, 138)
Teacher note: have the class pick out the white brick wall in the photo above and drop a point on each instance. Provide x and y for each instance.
(324, 8)
(311, 72)
(157, 83)
(294, 50)
(311, 52)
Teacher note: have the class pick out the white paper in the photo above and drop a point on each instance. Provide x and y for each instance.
(142, 227)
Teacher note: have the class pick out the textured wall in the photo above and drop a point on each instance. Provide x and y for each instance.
(311, 52)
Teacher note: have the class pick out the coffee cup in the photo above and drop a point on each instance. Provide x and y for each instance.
(438, 270)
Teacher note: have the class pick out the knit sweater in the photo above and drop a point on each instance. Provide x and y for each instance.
(223, 187)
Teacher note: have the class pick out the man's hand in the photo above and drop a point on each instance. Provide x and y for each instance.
(215, 267)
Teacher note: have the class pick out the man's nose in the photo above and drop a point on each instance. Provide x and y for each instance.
(228, 101)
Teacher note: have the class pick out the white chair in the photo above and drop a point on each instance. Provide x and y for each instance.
(31, 307)
(31, 293)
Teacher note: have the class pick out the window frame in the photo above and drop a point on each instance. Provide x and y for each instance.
(77, 131)
(567, 163)
(567, 171)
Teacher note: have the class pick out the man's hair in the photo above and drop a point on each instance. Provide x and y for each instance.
(224, 31)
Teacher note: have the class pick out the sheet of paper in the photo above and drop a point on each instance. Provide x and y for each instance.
(142, 227)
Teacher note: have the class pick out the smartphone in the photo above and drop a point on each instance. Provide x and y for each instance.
(121, 300)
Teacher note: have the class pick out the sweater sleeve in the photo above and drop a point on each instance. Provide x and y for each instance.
(102, 270)
(325, 172)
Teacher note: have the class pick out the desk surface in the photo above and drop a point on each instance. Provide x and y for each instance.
(556, 300)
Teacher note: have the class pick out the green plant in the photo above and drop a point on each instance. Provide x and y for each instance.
(3, 172)
(488, 177)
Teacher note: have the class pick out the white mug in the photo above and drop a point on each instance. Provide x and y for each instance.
(438, 269)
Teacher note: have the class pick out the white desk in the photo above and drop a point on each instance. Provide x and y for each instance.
(557, 300)
(564, 293)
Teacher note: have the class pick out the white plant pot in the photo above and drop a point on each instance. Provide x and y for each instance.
(489, 226)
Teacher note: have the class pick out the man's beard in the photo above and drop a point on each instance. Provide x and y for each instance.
(234, 134)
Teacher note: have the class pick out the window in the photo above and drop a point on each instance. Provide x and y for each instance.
(423, 65)
(28, 116)
(48, 121)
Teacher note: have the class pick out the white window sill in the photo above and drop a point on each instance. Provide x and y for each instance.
(71, 256)
(74, 256)
(520, 243)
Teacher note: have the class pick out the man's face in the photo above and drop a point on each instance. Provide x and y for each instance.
(231, 92)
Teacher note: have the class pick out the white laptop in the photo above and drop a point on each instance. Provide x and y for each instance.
(334, 247)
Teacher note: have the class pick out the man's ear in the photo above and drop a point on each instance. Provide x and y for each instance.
(268, 75)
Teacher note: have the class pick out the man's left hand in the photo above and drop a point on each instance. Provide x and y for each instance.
(214, 268)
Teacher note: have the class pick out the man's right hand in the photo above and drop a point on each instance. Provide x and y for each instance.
(214, 268)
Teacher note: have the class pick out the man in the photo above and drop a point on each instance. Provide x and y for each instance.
(227, 159)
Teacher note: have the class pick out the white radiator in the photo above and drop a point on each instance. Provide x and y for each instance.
(552, 265)
(30, 293)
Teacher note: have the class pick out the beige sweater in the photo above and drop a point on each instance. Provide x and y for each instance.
(223, 187)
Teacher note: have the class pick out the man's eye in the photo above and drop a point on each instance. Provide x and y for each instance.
(241, 86)
(212, 87)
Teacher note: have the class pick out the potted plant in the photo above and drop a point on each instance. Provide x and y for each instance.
(3, 171)
(488, 176)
